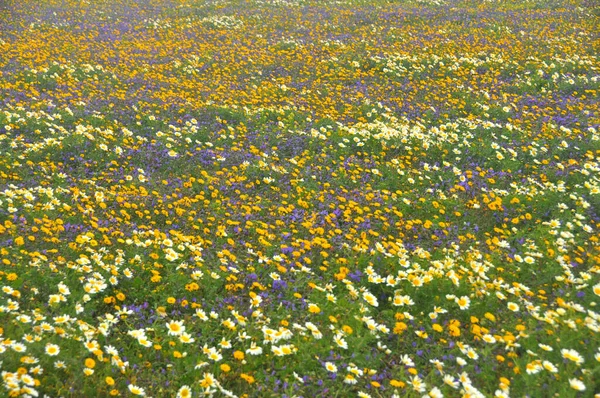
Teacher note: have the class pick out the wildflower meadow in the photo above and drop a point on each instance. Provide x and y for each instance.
(300, 198)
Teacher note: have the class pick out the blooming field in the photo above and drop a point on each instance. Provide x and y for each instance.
(299, 198)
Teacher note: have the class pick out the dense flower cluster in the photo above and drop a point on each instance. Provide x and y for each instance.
(299, 198)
